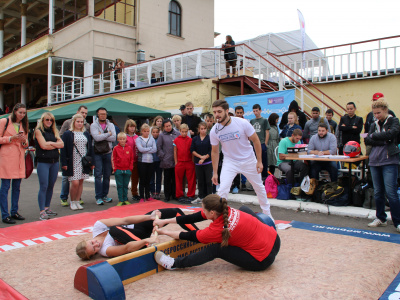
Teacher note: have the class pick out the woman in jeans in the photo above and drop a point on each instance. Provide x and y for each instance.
(13, 140)
(47, 143)
(77, 144)
(240, 237)
(383, 161)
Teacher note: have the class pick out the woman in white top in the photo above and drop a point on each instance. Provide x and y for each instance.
(118, 236)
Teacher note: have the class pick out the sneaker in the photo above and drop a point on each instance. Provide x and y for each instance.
(78, 205)
(164, 260)
(17, 216)
(44, 216)
(120, 203)
(81, 202)
(49, 212)
(142, 200)
(182, 200)
(136, 198)
(99, 202)
(377, 223)
(64, 202)
(126, 202)
(8, 220)
(235, 190)
(398, 228)
(157, 196)
(197, 201)
(73, 205)
(150, 199)
(107, 200)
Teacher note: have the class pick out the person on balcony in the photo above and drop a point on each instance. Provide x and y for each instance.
(119, 65)
(350, 127)
(311, 127)
(294, 107)
(323, 143)
(230, 56)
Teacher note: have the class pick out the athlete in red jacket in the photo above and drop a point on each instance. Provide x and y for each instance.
(240, 237)
(184, 164)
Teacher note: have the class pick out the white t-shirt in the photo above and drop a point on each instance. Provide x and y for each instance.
(99, 228)
(234, 139)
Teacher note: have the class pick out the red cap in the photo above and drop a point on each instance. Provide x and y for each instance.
(377, 96)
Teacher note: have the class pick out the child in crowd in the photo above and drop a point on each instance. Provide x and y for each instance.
(177, 119)
(122, 163)
(131, 136)
(201, 150)
(155, 182)
(184, 165)
(146, 146)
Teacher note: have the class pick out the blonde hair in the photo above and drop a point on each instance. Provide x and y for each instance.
(144, 126)
(40, 125)
(81, 250)
(296, 120)
(184, 126)
(121, 135)
(156, 119)
(77, 116)
(155, 127)
(176, 117)
(128, 123)
(380, 104)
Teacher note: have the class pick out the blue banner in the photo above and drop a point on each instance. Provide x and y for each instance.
(273, 102)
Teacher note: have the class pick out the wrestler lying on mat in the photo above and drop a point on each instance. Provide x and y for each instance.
(240, 236)
(118, 236)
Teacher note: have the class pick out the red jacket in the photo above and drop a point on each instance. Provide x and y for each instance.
(183, 148)
(122, 158)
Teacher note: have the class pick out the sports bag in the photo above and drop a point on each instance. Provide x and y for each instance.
(284, 191)
(331, 192)
(271, 186)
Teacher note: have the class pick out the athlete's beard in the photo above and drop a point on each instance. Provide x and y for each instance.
(223, 119)
(321, 137)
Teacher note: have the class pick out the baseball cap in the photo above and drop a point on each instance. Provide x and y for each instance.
(231, 111)
(182, 107)
(377, 96)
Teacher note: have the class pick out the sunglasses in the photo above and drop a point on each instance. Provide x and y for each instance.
(49, 120)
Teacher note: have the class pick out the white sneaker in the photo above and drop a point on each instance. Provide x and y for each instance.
(398, 228)
(164, 260)
(377, 223)
(197, 201)
(73, 206)
(78, 205)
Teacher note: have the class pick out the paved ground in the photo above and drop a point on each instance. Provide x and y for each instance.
(30, 210)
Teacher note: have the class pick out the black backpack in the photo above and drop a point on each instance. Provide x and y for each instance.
(359, 193)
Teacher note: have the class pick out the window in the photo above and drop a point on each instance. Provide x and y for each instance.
(121, 11)
(175, 18)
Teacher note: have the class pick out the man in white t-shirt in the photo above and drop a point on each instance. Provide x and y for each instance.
(234, 135)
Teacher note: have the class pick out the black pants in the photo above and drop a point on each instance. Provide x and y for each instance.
(169, 183)
(145, 173)
(232, 254)
(204, 183)
(143, 230)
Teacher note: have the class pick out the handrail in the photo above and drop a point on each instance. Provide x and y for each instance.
(306, 81)
(337, 46)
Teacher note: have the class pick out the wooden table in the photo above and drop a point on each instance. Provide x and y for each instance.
(362, 158)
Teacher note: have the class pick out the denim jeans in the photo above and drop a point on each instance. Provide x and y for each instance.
(384, 179)
(318, 166)
(47, 173)
(155, 182)
(64, 188)
(5, 186)
(102, 173)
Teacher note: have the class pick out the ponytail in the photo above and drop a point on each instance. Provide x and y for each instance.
(220, 206)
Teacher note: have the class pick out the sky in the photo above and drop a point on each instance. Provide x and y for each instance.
(327, 23)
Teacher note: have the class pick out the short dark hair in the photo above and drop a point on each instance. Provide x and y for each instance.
(221, 103)
(323, 125)
(329, 111)
(82, 106)
(99, 109)
(257, 106)
(165, 122)
(239, 107)
(315, 109)
(351, 103)
(297, 131)
(209, 116)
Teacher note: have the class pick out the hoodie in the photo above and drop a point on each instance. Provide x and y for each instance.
(300, 115)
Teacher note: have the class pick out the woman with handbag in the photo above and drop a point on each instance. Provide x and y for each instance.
(230, 56)
(13, 141)
(76, 158)
(47, 143)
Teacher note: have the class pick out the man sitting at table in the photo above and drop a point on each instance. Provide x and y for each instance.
(284, 165)
(323, 143)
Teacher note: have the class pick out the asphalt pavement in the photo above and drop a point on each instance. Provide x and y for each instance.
(281, 210)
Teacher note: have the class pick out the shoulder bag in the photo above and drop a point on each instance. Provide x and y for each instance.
(87, 161)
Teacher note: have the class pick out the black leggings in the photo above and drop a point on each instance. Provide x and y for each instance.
(232, 254)
(145, 173)
(143, 230)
